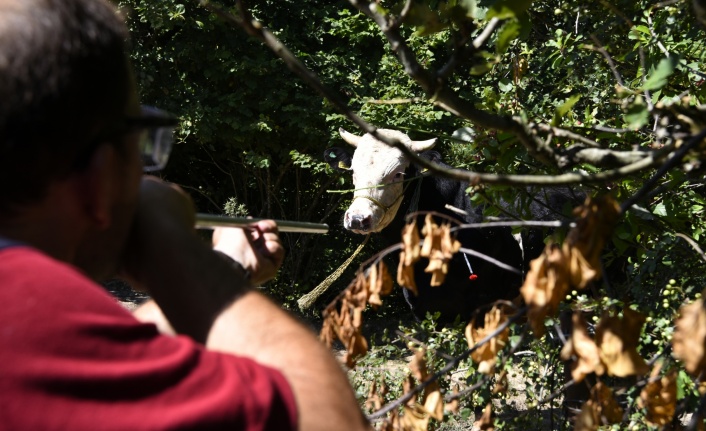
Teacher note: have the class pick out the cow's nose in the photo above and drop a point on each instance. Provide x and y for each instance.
(359, 222)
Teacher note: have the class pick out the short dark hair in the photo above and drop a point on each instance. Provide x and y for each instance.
(64, 73)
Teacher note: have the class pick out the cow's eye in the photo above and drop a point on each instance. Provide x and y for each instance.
(399, 176)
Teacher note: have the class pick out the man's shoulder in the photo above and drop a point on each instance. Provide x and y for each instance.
(32, 280)
(27, 262)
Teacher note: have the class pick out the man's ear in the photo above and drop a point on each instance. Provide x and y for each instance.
(338, 159)
(97, 185)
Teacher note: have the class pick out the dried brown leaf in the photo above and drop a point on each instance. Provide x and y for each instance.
(545, 286)
(689, 339)
(486, 354)
(433, 401)
(596, 219)
(346, 324)
(485, 422)
(357, 294)
(410, 243)
(418, 365)
(454, 405)
(439, 247)
(329, 328)
(501, 383)
(659, 398)
(430, 236)
(617, 341)
(581, 271)
(407, 385)
(582, 349)
(405, 275)
(376, 395)
(379, 284)
(356, 347)
(415, 418)
(600, 409)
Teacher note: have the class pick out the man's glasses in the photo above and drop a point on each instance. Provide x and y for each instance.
(156, 128)
(156, 136)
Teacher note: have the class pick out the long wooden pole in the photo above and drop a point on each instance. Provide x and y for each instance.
(209, 221)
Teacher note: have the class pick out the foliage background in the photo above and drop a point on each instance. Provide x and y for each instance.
(252, 133)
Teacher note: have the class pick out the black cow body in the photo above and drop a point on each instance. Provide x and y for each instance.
(471, 281)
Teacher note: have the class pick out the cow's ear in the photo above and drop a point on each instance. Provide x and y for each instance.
(432, 156)
(338, 159)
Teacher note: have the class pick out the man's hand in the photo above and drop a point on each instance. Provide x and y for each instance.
(257, 248)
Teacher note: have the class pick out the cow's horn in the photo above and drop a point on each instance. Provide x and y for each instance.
(419, 146)
(349, 137)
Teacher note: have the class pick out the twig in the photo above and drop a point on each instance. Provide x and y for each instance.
(423, 344)
(605, 129)
(396, 101)
(563, 133)
(403, 14)
(670, 163)
(486, 33)
(693, 244)
(468, 390)
(608, 58)
(556, 393)
(489, 259)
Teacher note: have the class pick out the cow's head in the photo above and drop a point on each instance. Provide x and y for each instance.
(378, 174)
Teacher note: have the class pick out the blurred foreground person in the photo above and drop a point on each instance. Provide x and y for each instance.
(75, 208)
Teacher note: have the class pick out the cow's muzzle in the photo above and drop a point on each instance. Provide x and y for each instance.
(358, 223)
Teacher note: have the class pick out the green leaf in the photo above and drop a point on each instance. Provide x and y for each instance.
(469, 6)
(505, 85)
(658, 78)
(564, 108)
(506, 9)
(660, 209)
(637, 116)
(480, 69)
(508, 33)
(426, 20)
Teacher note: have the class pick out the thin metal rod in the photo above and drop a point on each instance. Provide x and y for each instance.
(209, 221)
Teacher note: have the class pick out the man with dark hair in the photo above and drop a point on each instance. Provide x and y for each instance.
(209, 352)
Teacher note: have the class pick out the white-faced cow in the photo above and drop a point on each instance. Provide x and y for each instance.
(388, 187)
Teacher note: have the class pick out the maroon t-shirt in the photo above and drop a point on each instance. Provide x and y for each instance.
(71, 358)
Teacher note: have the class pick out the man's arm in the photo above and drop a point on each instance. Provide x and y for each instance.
(203, 296)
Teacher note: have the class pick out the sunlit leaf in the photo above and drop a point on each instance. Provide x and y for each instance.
(508, 33)
(506, 9)
(664, 70)
(564, 108)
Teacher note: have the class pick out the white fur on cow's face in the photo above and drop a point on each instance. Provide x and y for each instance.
(378, 174)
